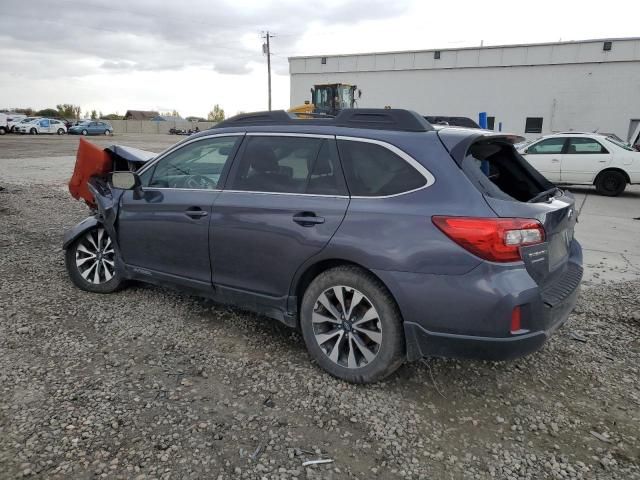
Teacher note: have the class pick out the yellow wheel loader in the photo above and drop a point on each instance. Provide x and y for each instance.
(329, 99)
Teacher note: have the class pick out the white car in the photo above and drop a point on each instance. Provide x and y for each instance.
(42, 125)
(585, 159)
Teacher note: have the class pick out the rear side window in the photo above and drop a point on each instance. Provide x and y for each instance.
(549, 146)
(585, 145)
(305, 165)
(373, 170)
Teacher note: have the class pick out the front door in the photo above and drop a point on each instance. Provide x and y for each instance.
(284, 200)
(164, 228)
(45, 126)
(583, 159)
(546, 156)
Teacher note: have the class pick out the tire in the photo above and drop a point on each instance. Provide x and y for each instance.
(340, 346)
(61, 131)
(33, 131)
(82, 267)
(611, 183)
(84, 132)
(3, 130)
(107, 132)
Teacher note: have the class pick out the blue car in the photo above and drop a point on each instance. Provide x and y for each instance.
(93, 127)
(382, 238)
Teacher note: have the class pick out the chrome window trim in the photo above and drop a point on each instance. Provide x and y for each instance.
(290, 134)
(254, 192)
(403, 155)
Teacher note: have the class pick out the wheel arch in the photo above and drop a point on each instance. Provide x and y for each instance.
(304, 278)
(78, 230)
(612, 169)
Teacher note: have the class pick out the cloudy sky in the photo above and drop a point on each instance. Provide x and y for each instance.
(115, 55)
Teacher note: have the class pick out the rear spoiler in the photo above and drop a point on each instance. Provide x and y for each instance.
(458, 140)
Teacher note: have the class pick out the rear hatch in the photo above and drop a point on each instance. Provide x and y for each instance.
(514, 189)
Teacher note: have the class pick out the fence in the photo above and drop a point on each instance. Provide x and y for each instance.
(147, 126)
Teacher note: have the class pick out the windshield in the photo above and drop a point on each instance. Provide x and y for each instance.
(620, 144)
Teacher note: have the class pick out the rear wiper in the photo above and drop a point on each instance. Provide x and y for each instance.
(542, 195)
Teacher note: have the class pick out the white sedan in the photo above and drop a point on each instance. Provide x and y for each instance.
(42, 125)
(585, 159)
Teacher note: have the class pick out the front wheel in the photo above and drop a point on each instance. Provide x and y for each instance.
(611, 183)
(107, 132)
(84, 132)
(352, 326)
(91, 262)
(33, 131)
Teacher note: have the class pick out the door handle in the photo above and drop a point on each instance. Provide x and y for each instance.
(195, 212)
(307, 219)
(555, 160)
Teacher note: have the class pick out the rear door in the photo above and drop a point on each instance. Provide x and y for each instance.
(284, 200)
(584, 158)
(546, 156)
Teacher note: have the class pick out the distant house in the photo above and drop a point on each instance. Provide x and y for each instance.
(165, 118)
(140, 115)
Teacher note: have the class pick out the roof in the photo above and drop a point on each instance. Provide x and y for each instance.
(553, 53)
(140, 114)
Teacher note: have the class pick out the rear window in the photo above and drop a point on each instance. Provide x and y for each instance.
(497, 170)
(373, 170)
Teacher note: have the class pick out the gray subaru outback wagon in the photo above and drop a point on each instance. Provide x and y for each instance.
(381, 237)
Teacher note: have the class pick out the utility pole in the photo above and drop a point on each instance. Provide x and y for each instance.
(266, 48)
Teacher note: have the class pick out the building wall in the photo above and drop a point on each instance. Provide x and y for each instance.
(572, 86)
(147, 126)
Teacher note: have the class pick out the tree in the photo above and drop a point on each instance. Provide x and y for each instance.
(216, 115)
(111, 116)
(67, 110)
(47, 112)
(94, 114)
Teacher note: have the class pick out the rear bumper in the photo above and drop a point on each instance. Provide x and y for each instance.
(469, 315)
(422, 342)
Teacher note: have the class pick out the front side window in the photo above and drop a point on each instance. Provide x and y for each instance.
(549, 146)
(196, 165)
(305, 165)
(373, 170)
(585, 145)
(44, 123)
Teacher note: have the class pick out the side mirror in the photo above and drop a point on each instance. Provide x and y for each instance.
(125, 180)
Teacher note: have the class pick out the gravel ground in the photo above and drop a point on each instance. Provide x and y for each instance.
(148, 383)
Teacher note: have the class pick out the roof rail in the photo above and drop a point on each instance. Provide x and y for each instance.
(368, 118)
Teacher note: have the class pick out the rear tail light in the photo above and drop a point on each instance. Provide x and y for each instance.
(494, 239)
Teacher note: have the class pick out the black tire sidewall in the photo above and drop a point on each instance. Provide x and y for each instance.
(601, 188)
(392, 350)
(70, 262)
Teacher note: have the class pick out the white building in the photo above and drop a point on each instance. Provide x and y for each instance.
(582, 85)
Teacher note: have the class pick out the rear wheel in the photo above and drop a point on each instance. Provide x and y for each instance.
(352, 326)
(61, 131)
(33, 131)
(91, 262)
(611, 183)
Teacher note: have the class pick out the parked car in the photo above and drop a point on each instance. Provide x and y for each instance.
(13, 119)
(15, 127)
(42, 125)
(585, 159)
(93, 127)
(381, 238)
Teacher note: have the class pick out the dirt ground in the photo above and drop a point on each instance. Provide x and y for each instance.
(149, 383)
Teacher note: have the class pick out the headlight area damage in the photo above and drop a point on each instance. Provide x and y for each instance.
(95, 162)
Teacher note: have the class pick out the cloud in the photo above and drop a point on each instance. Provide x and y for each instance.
(147, 35)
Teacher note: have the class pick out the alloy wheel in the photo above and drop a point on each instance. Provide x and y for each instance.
(347, 326)
(95, 257)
